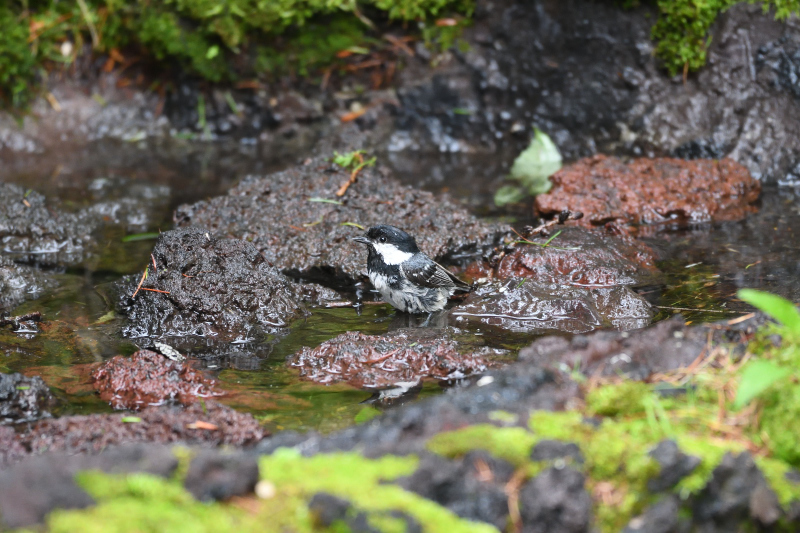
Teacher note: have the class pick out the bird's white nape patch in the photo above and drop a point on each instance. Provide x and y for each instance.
(391, 254)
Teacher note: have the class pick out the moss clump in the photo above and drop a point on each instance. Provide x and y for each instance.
(781, 411)
(681, 31)
(146, 503)
(625, 398)
(513, 444)
(359, 480)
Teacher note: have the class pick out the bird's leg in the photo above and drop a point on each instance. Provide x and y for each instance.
(427, 321)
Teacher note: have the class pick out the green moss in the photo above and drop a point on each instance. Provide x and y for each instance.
(622, 399)
(775, 471)
(513, 444)
(360, 481)
(146, 503)
(781, 411)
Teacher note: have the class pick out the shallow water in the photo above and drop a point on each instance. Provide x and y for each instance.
(703, 266)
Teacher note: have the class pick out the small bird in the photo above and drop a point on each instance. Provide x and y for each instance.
(406, 278)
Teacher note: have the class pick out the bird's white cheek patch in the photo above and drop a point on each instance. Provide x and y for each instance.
(391, 254)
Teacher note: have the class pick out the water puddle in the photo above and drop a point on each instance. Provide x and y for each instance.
(703, 266)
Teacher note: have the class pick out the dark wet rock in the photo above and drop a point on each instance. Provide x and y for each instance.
(550, 450)
(215, 475)
(147, 378)
(134, 205)
(472, 487)
(329, 510)
(661, 517)
(23, 399)
(556, 501)
(38, 485)
(402, 356)
(665, 346)
(211, 287)
(19, 283)
(736, 493)
(307, 240)
(317, 294)
(651, 191)
(33, 232)
(33, 488)
(528, 305)
(576, 257)
(93, 433)
(675, 465)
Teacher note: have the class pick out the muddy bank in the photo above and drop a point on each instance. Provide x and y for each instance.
(302, 227)
(207, 286)
(651, 191)
(147, 378)
(400, 357)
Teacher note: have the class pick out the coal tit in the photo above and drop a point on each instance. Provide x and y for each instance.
(406, 278)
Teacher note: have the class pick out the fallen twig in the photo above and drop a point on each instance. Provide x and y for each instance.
(144, 277)
(154, 290)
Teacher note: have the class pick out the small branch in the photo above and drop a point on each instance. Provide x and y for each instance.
(144, 277)
(154, 290)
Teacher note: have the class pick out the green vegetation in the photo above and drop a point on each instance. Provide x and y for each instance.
(208, 38)
(532, 170)
(681, 31)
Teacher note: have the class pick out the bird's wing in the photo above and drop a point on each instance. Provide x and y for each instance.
(424, 271)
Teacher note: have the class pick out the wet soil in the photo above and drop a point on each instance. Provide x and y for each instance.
(651, 191)
(147, 378)
(206, 286)
(401, 357)
(296, 220)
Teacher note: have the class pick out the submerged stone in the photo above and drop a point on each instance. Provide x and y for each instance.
(381, 361)
(23, 399)
(31, 231)
(528, 305)
(296, 220)
(19, 283)
(209, 287)
(651, 191)
(147, 378)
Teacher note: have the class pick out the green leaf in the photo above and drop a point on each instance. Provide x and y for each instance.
(508, 194)
(131, 419)
(778, 308)
(213, 52)
(540, 160)
(140, 237)
(324, 201)
(756, 378)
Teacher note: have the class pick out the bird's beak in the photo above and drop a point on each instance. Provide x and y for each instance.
(362, 240)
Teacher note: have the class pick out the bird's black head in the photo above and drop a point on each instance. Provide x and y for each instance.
(392, 244)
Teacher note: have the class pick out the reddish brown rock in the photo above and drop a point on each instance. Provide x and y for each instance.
(403, 356)
(210, 423)
(651, 191)
(147, 378)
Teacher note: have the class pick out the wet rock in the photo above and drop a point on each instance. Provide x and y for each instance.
(550, 450)
(736, 493)
(472, 487)
(329, 510)
(528, 305)
(577, 257)
(33, 232)
(675, 465)
(308, 239)
(147, 378)
(193, 424)
(556, 501)
(665, 346)
(402, 356)
(23, 399)
(134, 205)
(651, 191)
(19, 283)
(661, 517)
(33, 488)
(215, 475)
(209, 287)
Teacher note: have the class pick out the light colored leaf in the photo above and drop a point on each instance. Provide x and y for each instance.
(757, 377)
(508, 194)
(540, 160)
(778, 308)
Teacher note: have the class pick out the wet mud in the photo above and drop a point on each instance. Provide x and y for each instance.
(401, 357)
(207, 286)
(296, 220)
(147, 378)
(651, 191)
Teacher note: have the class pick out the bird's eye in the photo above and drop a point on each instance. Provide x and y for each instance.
(382, 239)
